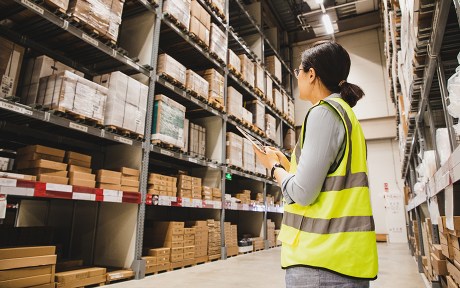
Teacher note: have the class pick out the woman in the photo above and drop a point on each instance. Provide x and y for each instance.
(328, 230)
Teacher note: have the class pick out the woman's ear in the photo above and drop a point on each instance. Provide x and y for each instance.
(311, 75)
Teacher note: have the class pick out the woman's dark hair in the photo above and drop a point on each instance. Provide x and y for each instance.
(331, 63)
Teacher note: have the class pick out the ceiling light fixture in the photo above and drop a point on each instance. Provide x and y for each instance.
(327, 24)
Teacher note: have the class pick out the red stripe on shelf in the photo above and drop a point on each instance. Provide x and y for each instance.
(99, 198)
(26, 184)
(81, 189)
(58, 194)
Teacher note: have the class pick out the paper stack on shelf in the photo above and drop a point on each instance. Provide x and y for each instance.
(200, 22)
(197, 141)
(247, 69)
(257, 108)
(80, 164)
(171, 68)
(234, 150)
(179, 10)
(162, 185)
(68, 92)
(168, 121)
(11, 56)
(273, 65)
(234, 102)
(216, 85)
(82, 277)
(129, 179)
(244, 196)
(196, 83)
(233, 62)
(218, 42)
(107, 179)
(249, 161)
(214, 238)
(167, 235)
(159, 259)
(201, 237)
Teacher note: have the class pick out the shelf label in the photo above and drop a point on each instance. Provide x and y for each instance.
(195, 100)
(164, 200)
(78, 127)
(193, 160)
(15, 108)
(166, 152)
(212, 165)
(102, 133)
(186, 202)
(123, 140)
(114, 53)
(58, 187)
(89, 39)
(8, 182)
(65, 25)
(169, 85)
(33, 6)
(84, 196)
(197, 203)
(47, 116)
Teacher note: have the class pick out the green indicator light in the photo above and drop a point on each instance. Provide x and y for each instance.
(228, 176)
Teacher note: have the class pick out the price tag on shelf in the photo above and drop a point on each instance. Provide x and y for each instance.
(197, 203)
(65, 25)
(186, 202)
(84, 196)
(169, 85)
(166, 152)
(193, 160)
(233, 206)
(90, 40)
(33, 6)
(78, 127)
(212, 165)
(123, 140)
(8, 182)
(164, 200)
(15, 108)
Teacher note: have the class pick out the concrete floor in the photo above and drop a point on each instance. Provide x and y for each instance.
(262, 269)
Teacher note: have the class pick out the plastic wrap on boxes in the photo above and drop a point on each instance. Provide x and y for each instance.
(274, 66)
(218, 42)
(285, 103)
(11, 56)
(216, 85)
(197, 140)
(168, 121)
(453, 87)
(269, 92)
(126, 101)
(246, 115)
(249, 161)
(443, 145)
(234, 102)
(257, 109)
(196, 83)
(259, 77)
(247, 69)
(169, 66)
(179, 9)
(197, 11)
(197, 28)
(278, 99)
(37, 68)
(234, 150)
(289, 140)
(234, 61)
(270, 126)
(71, 93)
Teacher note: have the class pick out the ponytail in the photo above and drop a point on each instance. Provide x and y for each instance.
(350, 93)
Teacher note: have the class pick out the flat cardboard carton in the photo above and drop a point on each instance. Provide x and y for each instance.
(100, 279)
(129, 172)
(177, 258)
(41, 164)
(44, 171)
(42, 150)
(13, 263)
(38, 156)
(26, 272)
(82, 182)
(75, 168)
(159, 252)
(131, 183)
(53, 179)
(77, 156)
(218, 42)
(274, 66)
(79, 163)
(108, 186)
(11, 56)
(81, 175)
(234, 102)
(247, 69)
(129, 188)
(70, 276)
(108, 173)
(179, 9)
(197, 11)
(171, 67)
(28, 281)
(177, 250)
(108, 180)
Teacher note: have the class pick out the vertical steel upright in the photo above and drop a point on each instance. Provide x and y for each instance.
(138, 265)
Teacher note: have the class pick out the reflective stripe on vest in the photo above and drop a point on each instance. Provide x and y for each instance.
(336, 232)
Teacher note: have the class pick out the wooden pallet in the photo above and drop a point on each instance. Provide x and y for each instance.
(165, 145)
(196, 95)
(92, 31)
(213, 258)
(119, 275)
(176, 22)
(199, 41)
(123, 132)
(259, 93)
(172, 80)
(216, 104)
(235, 168)
(260, 249)
(219, 12)
(201, 260)
(183, 264)
(243, 253)
(63, 112)
(234, 71)
(216, 57)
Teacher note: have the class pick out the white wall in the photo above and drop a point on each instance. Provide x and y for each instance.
(377, 116)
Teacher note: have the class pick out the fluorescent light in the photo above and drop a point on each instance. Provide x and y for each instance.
(328, 24)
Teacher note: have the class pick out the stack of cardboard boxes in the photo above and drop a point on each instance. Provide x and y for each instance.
(259, 78)
(171, 68)
(259, 198)
(278, 99)
(79, 167)
(274, 67)
(206, 193)
(450, 250)
(126, 102)
(249, 158)
(44, 162)
(179, 10)
(28, 267)
(107, 179)
(214, 240)
(189, 243)
(216, 194)
(244, 196)
(234, 150)
(170, 235)
(218, 43)
(246, 115)
(289, 140)
(162, 185)
(247, 69)
(197, 140)
(269, 91)
(234, 63)
(234, 102)
(10, 67)
(168, 121)
(271, 233)
(257, 108)
(200, 22)
(158, 259)
(201, 239)
(81, 277)
(258, 243)
(196, 83)
(189, 187)
(231, 239)
(216, 86)
(285, 109)
(129, 179)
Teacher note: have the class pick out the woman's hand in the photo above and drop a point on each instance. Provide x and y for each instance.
(282, 158)
(269, 158)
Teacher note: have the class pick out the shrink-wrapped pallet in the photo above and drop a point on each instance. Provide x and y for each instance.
(218, 42)
(197, 84)
(171, 68)
(234, 62)
(168, 121)
(247, 69)
(216, 85)
(11, 56)
(179, 10)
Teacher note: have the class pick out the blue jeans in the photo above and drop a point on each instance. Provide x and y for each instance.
(306, 277)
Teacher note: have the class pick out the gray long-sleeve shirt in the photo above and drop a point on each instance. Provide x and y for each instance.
(323, 146)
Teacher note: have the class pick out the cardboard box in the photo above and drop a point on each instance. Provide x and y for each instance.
(108, 180)
(130, 183)
(270, 126)
(29, 261)
(100, 279)
(179, 9)
(29, 281)
(218, 43)
(269, 90)
(75, 168)
(247, 69)
(289, 140)
(216, 85)
(129, 189)
(233, 61)
(70, 276)
(168, 121)
(107, 173)
(257, 109)
(82, 176)
(197, 83)
(21, 252)
(79, 163)
(44, 171)
(77, 156)
(41, 150)
(278, 99)
(108, 186)
(125, 171)
(246, 115)
(159, 252)
(82, 182)
(171, 67)
(197, 11)
(189, 255)
(273, 65)
(249, 160)
(177, 250)
(234, 150)
(259, 77)
(453, 271)
(177, 258)
(234, 102)
(197, 28)
(38, 156)
(11, 56)
(53, 179)
(150, 260)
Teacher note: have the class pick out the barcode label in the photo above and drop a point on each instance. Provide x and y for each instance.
(90, 40)
(123, 140)
(33, 6)
(78, 127)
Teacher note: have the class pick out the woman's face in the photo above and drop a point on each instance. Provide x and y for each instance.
(305, 81)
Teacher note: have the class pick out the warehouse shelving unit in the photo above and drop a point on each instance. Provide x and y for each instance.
(435, 60)
(98, 214)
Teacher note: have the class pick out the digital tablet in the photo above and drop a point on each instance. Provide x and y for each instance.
(259, 145)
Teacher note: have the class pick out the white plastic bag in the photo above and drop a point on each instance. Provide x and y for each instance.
(429, 161)
(442, 145)
(418, 188)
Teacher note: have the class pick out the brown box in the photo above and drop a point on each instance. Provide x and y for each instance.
(177, 258)
(188, 249)
(53, 179)
(131, 183)
(108, 180)
(188, 231)
(78, 156)
(12, 263)
(44, 171)
(81, 175)
(71, 276)
(189, 242)
(42, 150)
(129, 189)
(437, 250)
(197, 11)
(189, 255)
(26, 272)
(82, 182)
(108, 186)
(150, 260)
(177, 250)
(159, 252)
(174, 244)
(41, 164)
(75, 168)
(100, 279)
(171, 67)
(197, 28)
(439, 266)
(163, 259)
(79, 163)
(48, 285)
(129, 172)
(453, 271)
(38, 156)
(108, 173)
(273, 65)
(247, 69)
(30, 281)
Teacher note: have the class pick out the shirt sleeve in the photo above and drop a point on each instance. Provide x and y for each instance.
(324, 135)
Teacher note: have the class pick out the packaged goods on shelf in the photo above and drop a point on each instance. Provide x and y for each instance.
(257, 108)
(247, 69)
(244, 196)
(172, 68)
(273, 65)
(200, 31)
(270, 126)
(80, 178)
(270, 233)
(269, 91)
(258, 243)
(168, 121)
(27, 266)
(216, 85)
(18, 176)
(246, 115)
(106, 21)
(219, 5)
(270, 200)
(197, 11)
(63, 5)
(234, 102)
(129, 179)
(81, 277)
(278, 99)
(189, 187)
(178, 9)
(201, 237)
(218, 42)
(11, 56)
(68, 92)
(165, 234)
(234, 150)
(197, 140)
(259, 77)
(233, 62)
(249, 161)
(291, 110)
(260, 169)
(35, 69)
(206, 193)
(214, 237)
(126, 102)
(285, 109)
(107, 179)
(185, 148)
(162, 185)
(289, 140)
(197, 84)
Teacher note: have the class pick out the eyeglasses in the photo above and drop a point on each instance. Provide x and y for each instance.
(296, 72)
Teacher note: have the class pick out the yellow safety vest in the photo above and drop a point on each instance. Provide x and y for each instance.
(336, 232)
